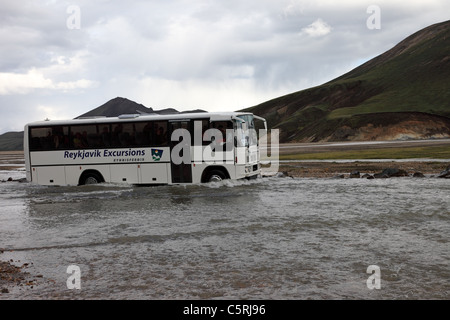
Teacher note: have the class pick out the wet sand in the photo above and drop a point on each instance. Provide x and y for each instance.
(12, 275)
(11, 160)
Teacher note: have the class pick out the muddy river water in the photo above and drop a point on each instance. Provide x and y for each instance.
(271, 238)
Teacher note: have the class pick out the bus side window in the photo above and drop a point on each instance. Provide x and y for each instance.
(60, 137)
(105, 135)
(78, 142)
(160, 133)
(35, 144)
(127, 135)
(117, 130)
(85, 136)
(39, 138)
(226, 129)
(143, 133)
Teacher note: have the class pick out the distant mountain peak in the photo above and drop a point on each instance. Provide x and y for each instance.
(119, 105)
(115, 107)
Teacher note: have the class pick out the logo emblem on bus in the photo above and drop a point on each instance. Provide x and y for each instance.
(157, 154)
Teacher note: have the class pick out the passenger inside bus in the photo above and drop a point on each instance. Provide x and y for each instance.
(78, 141)
(117, 131)
(105, 136)
(161, 138)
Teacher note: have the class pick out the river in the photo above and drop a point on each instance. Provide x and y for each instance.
(270, 238)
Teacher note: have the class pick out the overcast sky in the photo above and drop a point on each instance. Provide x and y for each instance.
(60, 59)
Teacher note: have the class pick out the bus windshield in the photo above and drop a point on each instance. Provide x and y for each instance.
(249, 134)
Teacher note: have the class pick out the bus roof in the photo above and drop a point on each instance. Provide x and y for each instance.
(213, 116)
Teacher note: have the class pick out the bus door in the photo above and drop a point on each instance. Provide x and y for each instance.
(181, 172)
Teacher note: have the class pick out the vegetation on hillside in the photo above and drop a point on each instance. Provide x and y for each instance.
(412, 77)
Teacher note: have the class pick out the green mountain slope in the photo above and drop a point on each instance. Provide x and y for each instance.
(401, 94)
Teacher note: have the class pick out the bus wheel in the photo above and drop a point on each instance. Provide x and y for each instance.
(216, 176)
(91, 178)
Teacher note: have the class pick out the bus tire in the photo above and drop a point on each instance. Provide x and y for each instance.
(215, 176)
(91, 177)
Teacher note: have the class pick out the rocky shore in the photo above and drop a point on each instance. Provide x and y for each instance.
(11, 275)
(14, 274)
(366, 169)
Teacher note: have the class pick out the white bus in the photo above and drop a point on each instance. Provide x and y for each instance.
(143, 149)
